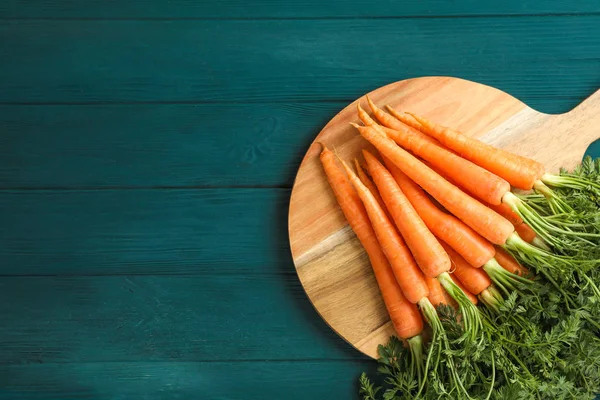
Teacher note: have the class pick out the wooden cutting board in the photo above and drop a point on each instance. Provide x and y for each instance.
(331, 263)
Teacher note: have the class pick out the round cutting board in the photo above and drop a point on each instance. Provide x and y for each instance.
(330, 261)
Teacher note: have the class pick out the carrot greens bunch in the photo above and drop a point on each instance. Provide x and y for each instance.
(445, 231)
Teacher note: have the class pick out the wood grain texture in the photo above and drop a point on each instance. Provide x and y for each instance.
(226, 231)
(165, 145)
(258, 380)
(330, 261)
(289, 60)
(289, 9)
(208, 317)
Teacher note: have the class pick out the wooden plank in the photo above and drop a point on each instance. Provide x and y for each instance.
(157, 318)
(288, 9)
(157, 145)
(183, 380)
(316, 60)
(166, 145)
(228, 231)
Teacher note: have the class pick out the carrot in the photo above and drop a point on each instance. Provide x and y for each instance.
(362, 175)
(519, 171)
(526, 233)
(409, 276)
(468, 243)
(402, 117)
(507, 212)
(391, 123)
(509, 263)
(476, 180)
(474, 279)
(405, 316)
(472, 298)
(437, 294)
(432, 260)
(483, 220)
(426, 249)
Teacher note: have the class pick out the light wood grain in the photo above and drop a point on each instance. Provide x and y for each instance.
(330, 261)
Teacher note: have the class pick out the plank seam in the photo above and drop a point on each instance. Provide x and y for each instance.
(328, 18)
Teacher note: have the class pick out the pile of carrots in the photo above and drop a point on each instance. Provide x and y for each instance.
(434, 211)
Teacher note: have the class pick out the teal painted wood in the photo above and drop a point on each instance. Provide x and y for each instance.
(226, 231)
(167, 145)
(317, 60)
(236, 318)
(287, 9)
(264, 380)
(157, 145)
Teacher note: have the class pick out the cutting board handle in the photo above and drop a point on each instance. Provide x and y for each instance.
(586, 117)
(591, 104)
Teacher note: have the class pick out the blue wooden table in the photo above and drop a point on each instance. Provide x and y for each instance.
(147, 151)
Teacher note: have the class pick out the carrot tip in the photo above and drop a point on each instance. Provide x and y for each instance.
(354, 124)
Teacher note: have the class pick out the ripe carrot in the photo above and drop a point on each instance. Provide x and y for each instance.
(468, 243)
(509, 263)
(524, 230)
(402, 117)
(526, 233)
(409, 276)
(507, 212)
(483, 220)
(362, 175)
(476, 180)
(519, 171)
(437, 294)
(425, 248)
(474, 279)
(469, 295)
(405, 316)
(392, 123)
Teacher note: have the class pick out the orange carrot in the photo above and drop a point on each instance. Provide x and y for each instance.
(507, 212)
(437, 294)
(468, 243)
(483, 220)
(474, 279)
(409, 276)
(362, 175)
(469, 295)
(526, 233)
(425, 248)
(524, 230)
(405, 118)
(509, 263)
(476, 180)
(391, 123)
(404, 315)
(519, 171)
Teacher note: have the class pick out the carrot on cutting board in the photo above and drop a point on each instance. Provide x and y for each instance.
(391, 123)
(520, 172)
(364, 178)
(430, 256)
(474, 279)
(405, 316)
(425, 248)
(468, 243)
(409, 276)
(476, 180)
(483, 220)
(402, 117)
